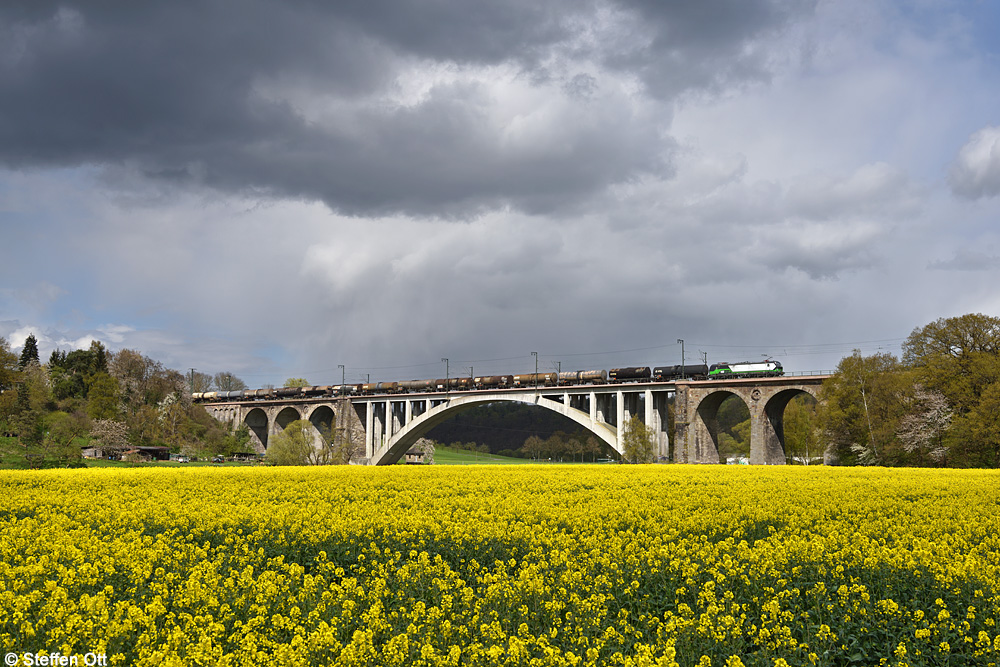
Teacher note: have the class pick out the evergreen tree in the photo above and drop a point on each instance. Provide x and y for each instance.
(29, 352)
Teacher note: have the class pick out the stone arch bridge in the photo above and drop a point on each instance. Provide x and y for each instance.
(384, 427)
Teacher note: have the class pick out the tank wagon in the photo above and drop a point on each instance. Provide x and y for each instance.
(628, 374)
(671, 373)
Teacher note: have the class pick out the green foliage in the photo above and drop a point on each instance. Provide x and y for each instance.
(29, 353)
(974, 440)
(802, 437)
(70, 373)
(293, 445)
(861, 409)
(134, 396)
(301, 443)
(143, 381)
(637, 442)
(47, 440)
(959, 358)
(296, 382)
(102, 397)
(733, 428)
(8, 378)
(237, 442)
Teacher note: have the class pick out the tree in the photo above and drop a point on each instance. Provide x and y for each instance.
(860, 408)
(343, 445)
(237, 441)
(142, 380)
(292, 446)
(637, 442)
(59, 445)
(922, 429)
(103, 397)
(33, 398)
(111, 434)
(427, 447)
(200, 382)
(226, 381)
(296, 382)
(533, 447)
(8, 377)
(957, 356)
(801, 432)
(29, 353)
(71, 372)
(978, 433)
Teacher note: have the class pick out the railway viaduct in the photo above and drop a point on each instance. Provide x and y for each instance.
(388, 425)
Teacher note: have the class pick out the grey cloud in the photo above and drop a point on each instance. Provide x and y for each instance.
(692, 45)
(874, 189)
(975, 173)
(176, 92)
(967, 260)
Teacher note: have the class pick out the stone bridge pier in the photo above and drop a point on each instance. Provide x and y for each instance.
(697, 416)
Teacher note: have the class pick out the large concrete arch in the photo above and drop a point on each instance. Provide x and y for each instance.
(400, 442)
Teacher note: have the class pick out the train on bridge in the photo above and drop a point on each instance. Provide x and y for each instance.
(630, 374)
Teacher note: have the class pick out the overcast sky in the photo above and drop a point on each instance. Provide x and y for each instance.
(277, 188)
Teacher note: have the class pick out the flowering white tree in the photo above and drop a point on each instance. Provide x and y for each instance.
(921, 431)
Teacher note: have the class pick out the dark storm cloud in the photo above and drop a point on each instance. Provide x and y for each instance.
(300, 99)
(703, 44)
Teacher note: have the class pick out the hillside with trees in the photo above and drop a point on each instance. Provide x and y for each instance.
(117, 401)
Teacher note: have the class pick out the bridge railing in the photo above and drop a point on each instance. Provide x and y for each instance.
(802, 373)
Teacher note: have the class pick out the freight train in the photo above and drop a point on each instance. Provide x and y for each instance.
(629, 374)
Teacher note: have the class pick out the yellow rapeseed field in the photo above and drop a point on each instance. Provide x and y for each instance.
(533, 565)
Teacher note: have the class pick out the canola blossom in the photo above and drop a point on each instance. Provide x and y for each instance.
(533, 565)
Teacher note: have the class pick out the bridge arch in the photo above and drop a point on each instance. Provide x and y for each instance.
(400, 442)
(766, 405)
(257, 421)
(706, 442)
(772, 431)
(285, 417)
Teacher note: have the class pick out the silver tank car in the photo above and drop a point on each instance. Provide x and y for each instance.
(417, 385)
(536, 379)
(493, 381)
(593, 377)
